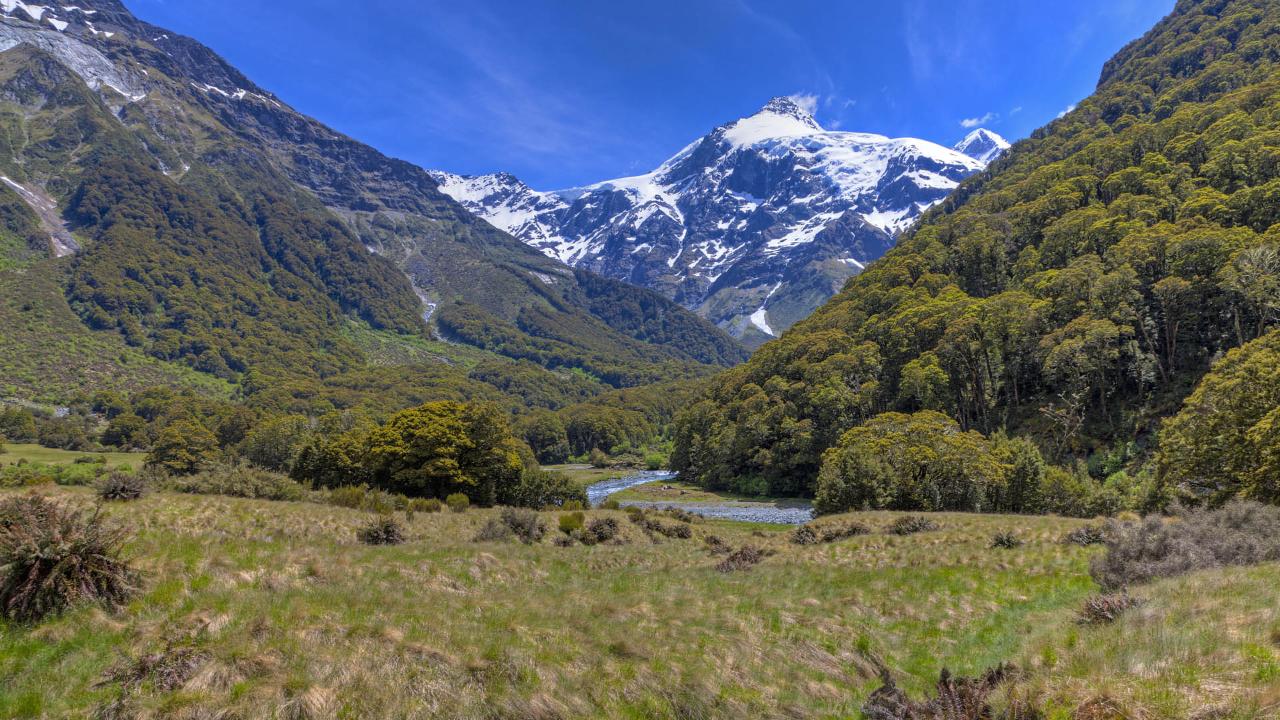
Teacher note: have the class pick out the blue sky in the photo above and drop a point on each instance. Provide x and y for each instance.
(566, 92)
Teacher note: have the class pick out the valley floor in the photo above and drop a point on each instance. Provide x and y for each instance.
(272, 609)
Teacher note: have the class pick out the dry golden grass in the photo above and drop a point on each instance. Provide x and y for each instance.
(290, 616)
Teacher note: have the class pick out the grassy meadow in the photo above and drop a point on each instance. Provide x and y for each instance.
(272, 609)
(13, 453)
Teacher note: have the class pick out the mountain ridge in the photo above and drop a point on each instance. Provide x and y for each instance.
(752, 225)
(313, 225)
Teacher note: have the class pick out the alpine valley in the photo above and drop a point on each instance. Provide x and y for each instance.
(752, 226)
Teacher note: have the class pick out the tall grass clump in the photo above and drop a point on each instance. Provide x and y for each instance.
(1238, 533)
(53, 557)
(242, 481)
(383, 531)
(121, 486)
(912, 524)
(458, 502)
(956, 698)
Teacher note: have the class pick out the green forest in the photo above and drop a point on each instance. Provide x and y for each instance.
(1093, 292)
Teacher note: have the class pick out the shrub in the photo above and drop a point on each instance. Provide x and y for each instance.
(957, 698)
(1085, 535)
(427, 505)
(458, 502)
(574, 506)
(1006, 539)
(362, 497)
(680, 531)
(840, 532)
(240, 481)
(598, 458)
(53, 557)
(741, 559)
(600, 530)
(1239, 533)
(493, 531)
(383, 531)
(716, 545)
(912, 524)
(804, 535)
(610, 504)
(654, 461)
(571, 522)
(122, 486)
(540, 488)
(526, 524)
(1103, 609)
(78, 475)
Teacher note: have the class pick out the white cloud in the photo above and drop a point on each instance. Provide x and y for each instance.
(807, 102)
(1016, 110)
(976, 121)
(1070, 107)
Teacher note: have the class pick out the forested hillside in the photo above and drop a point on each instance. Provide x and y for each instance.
(1074, 293)
(205, 233)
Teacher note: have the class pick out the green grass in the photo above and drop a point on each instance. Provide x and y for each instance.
(387, 348)
(294, 618)
(13, 452)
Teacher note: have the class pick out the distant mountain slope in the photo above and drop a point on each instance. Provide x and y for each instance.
(209, 224)
(753, 225)
(1074, 293)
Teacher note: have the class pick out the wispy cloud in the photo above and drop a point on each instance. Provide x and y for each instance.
(807, 102)
(974, 122)
(943, 38)
(1068, 109)
(504, 96)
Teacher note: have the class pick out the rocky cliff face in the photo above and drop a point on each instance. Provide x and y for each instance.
(753, 225)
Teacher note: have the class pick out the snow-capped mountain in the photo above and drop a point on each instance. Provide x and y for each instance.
(982, 145)
(753, 225)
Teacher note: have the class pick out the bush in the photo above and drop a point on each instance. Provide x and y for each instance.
(574, 506)
(600, 530)
(1239, 533)
(912, 524)
(383, 531)
(493, 531)
(526, 524)
(53, 557)
(598, 459)
(804, 535)
(1103, 609)
(1085, 535)
(122, 486)
(716, 546)
(741, 559)
(840, 532)
(427, 505)
(654, 461)
(240, 481)
(680, 531)
(1006, 540)
(458, 502)
(957, 698)
(610, 504)
(572, 522)
(362, 497)
(540, 488)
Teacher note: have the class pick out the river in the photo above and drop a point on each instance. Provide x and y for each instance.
(761, 512)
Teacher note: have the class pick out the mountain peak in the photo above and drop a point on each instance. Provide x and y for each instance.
(788, 107)
(982, 145)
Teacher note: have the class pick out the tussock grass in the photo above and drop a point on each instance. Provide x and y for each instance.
(288, 614)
